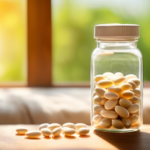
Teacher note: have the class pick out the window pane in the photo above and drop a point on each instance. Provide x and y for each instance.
(12, 41)
(73, 31)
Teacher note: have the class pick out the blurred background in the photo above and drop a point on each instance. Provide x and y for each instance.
(72, 35)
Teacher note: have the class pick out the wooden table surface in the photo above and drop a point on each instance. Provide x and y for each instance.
(139, 140)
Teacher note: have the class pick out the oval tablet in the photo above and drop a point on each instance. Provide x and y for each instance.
(121, 111)
(33, 134)
(21, 130)
(99, 100)
(125, 86)
(108, 74)
(80, 125)
(98, 78)
(111, 96)
(134, 108)
(132, 84)
(133, 118)
(97, 118)
(105, 83)
(126, 122)
(100, 91)
(98, 108)
(124, 103)
(137, 92)
(44, 125)
(115, 89)
(69, 125)
(116, 123)
(110, 114)
(130, 76)
(53, 126)
(119, 80)
(83, 131)
(69, 131)
(56, 131)
(127, 94)
(136, 81)
(135, 99)
(105, 123)
(46, 132)
(110, 104)
(119, 74)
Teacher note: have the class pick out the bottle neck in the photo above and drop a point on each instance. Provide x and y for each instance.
(116, 44)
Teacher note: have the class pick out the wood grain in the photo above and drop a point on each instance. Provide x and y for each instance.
(139, 140)
(39, 43)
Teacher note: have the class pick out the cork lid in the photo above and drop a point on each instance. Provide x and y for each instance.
(116, 32)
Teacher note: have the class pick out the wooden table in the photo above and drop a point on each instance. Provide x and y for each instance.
(139, 140)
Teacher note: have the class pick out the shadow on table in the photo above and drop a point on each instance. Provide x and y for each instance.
(127, 141)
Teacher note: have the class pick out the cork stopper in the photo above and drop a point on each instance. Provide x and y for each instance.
(116, 32)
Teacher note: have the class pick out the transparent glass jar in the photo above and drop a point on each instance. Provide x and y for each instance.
(116, 79)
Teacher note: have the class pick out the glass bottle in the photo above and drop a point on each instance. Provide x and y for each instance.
(116, 79)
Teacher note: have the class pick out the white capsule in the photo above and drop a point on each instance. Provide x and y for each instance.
(80, 125)
(69, 125)
(33, 134)
(56, 131)
(119, 74)
(111, 96)
(100, 91)
(130, 76)
(99, 100)
(97, 118)
(98, 78)
(69, 131)
(108, 74)
(83, 131)
(45, 132)
(53, 126)
(98, 108)
(44, 125)
(21, 130)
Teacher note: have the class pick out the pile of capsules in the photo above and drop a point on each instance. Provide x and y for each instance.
(55, 129)
(116, 101)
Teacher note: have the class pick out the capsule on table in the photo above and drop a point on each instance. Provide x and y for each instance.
(53, 126)
(69, 124)
(56, 131)
(33, 134)
(45, 132)
(44, 125)
(80, 125)
(83, 131)
(69, 131)
(21, 130)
